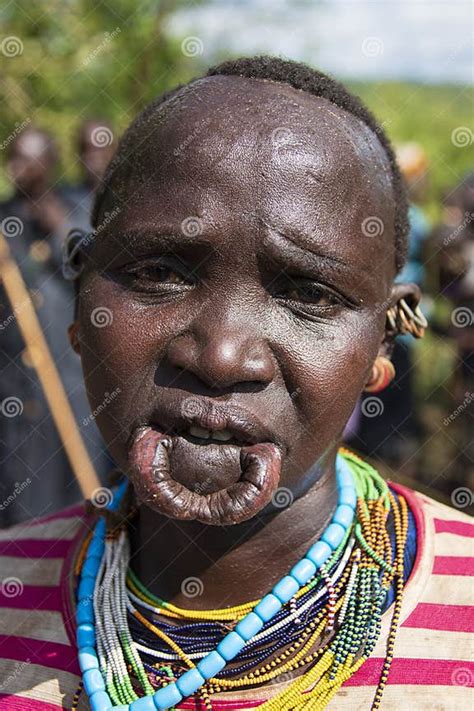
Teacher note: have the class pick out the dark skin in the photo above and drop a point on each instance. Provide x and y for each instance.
(276, 305)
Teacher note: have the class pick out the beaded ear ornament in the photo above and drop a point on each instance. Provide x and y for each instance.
(402, 319)
(76, 245)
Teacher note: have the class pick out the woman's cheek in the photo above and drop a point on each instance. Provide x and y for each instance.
(114, 353)
(337, 370)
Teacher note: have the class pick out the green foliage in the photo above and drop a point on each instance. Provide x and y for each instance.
(69, 60)
(83, 59)
(428, 115)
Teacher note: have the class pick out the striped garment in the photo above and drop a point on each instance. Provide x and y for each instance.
(432, 667)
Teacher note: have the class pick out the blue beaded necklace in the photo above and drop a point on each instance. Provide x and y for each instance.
(233, 643)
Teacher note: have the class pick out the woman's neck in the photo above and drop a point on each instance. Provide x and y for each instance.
(228, 565)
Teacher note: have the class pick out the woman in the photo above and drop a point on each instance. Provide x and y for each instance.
(228, 316)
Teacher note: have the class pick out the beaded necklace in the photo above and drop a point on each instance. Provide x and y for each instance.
(336, 593)
(285, 626)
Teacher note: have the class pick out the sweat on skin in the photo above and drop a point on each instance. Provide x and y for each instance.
(278, 292)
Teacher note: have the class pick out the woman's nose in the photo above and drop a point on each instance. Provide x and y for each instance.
(224, 357)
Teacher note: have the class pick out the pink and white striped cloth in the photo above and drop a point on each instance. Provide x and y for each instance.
(432, 668)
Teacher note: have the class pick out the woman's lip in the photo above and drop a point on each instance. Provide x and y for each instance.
(224, 492)
(185, 434)
(178, 414)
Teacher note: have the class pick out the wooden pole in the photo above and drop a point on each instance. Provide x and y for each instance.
(48, 375)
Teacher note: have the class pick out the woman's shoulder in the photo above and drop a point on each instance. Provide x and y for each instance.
(431, 514)
(38, 661)
(433, 649)
(441, 581)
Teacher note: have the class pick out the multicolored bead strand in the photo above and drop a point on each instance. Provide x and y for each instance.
(338, 587)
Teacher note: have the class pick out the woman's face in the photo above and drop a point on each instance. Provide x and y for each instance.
(243, 283)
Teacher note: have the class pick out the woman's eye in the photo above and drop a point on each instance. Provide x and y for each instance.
(151, 275)
(159, 274)
(311, 294)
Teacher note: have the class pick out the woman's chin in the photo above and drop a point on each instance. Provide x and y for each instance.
(213, 483)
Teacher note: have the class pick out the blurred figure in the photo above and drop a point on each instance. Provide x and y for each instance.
(393, 435)
(32, 160)
(95, 146)
(413, 163)
(35, 476)
(454, 244)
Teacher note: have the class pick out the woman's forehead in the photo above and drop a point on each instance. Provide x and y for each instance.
(207, 153)
(236, 111)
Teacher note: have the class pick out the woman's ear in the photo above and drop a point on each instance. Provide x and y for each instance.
(409, 291)
(403, 316)
(73, 333)
(407, 295)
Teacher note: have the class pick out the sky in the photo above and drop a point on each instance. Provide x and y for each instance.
(417, 40)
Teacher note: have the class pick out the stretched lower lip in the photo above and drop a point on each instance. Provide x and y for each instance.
(215, 483)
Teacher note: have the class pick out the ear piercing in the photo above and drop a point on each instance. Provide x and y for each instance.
(403, 319)
(383, 372)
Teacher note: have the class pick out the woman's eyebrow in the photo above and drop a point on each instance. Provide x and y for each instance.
(164, 236)
(281, 244)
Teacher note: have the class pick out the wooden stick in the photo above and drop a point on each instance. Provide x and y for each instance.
(48, 375)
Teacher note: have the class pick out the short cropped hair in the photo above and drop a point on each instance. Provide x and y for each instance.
(295, 74)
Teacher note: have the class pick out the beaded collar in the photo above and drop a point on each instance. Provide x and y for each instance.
(335, 593)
